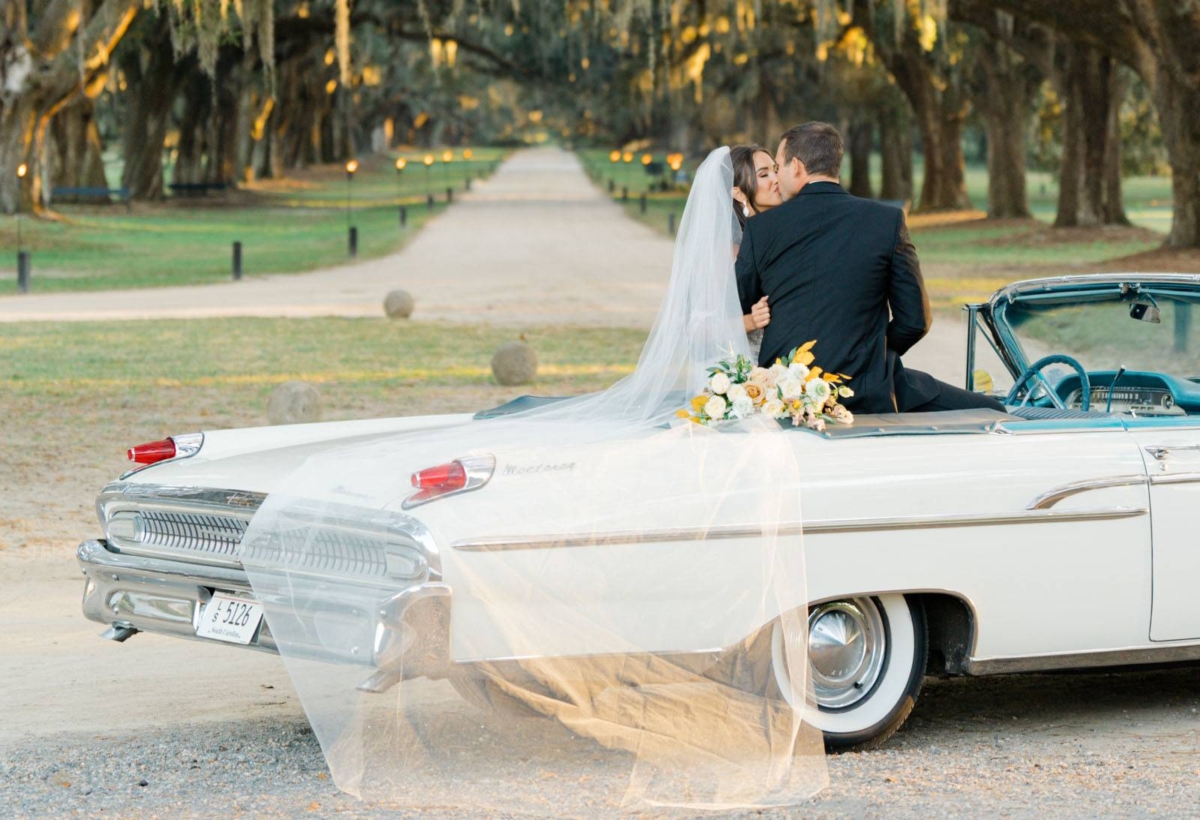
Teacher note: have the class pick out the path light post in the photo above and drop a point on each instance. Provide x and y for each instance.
(401, 164)
(467, 155)
(351, 170)
(428, 160)
(614, 157)
(22, 254)
(447, 158)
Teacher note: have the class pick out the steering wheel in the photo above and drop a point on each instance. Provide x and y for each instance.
(1035, 370)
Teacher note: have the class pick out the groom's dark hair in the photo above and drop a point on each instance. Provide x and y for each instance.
(818, 145)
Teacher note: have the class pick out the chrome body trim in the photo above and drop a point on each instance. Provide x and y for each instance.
(1161, 451)
(1175, 478)
(1040, 516)
(1129, 656)
(1051, 497)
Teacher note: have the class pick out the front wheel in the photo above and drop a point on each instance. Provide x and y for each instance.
(866, 661)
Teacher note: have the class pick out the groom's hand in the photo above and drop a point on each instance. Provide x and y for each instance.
(760, 314)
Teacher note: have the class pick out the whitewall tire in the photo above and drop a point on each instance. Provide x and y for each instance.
(866, 661)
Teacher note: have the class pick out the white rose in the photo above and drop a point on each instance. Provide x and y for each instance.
(743, 407)
(798, 371)
(791, 387)
(776, 372)
(719, 383)
(819, 392)
(841, 414)
(774, 408)
(735, 393)
(715, 408)
(760, 375)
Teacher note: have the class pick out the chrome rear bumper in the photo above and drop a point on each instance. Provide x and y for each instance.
(406, 633)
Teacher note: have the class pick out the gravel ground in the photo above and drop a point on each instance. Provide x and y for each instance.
(1113, 745)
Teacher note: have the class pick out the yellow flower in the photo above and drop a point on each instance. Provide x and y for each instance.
(814, 373)
(699, 402)
(832, 378)
(755, 392)
(683, 414)
(804, 358)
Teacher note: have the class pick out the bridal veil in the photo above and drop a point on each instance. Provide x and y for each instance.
(622, 603)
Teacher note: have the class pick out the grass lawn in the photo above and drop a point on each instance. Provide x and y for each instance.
(74, 396)
(285, 226)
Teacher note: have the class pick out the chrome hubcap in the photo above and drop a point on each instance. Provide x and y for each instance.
(845, 651)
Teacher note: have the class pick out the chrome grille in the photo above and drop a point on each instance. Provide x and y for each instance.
(321, 550)
(197, 532)
(209, 526)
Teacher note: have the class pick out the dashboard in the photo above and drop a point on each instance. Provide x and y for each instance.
(1137, 393)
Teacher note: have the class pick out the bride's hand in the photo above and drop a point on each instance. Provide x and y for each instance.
(760, 314)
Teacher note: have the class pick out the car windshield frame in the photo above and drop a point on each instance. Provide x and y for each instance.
(1078, 290)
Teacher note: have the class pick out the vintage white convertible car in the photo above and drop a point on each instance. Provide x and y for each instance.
(1058, 535)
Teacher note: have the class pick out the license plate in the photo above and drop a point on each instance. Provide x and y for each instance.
(230, 618)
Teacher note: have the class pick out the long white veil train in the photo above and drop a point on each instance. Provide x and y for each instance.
(605, 590)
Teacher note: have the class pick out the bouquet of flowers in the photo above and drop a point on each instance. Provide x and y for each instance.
(792, 387)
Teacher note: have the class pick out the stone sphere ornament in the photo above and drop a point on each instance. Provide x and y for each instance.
(514, 363)
(398, 304)
(294, 402)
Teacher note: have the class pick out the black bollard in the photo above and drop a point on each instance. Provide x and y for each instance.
(449, 195)
(612, 186)
(237, 261)
(624, 194)
(642, 203)
(403, 216)
(671, 223)
(23, 271)
(467, 184)
(430, 202)
(353, 241)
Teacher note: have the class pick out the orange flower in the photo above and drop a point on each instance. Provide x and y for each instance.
(755, 392)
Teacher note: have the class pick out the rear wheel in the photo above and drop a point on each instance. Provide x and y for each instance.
(866, 660)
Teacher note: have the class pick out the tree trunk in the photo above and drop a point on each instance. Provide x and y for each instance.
(76, 159)
(1177, 104)
(1091, 91)
(41, 72)
(1004, 86)
(896, 148)
(197, 107)
(941, 110)
(149, 74)
(862, 135)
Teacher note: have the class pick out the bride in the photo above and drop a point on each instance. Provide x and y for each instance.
(755, 189)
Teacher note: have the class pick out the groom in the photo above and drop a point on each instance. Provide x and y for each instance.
(833, 267)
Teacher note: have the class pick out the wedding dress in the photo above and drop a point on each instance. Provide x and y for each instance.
(580, 633)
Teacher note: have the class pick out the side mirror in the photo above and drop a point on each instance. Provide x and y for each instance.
(1145, 313)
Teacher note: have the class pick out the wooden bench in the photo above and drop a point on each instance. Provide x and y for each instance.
(122, 194)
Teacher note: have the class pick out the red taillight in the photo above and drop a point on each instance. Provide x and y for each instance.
(442, 478)
(153, 452)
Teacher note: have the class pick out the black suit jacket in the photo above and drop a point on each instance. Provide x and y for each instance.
(832, 265)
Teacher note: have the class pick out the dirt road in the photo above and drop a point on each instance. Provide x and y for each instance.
(162, 727)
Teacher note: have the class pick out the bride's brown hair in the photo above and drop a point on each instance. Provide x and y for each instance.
(745, 179)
